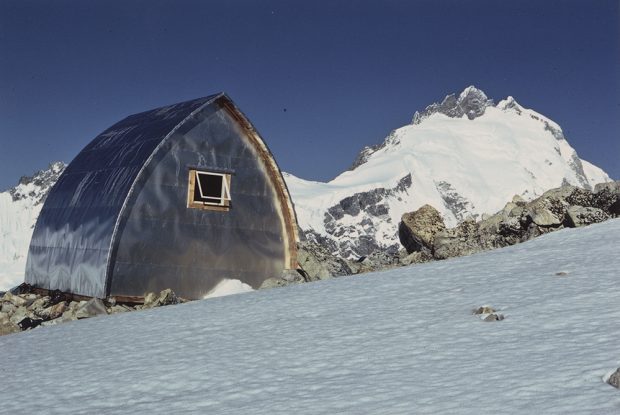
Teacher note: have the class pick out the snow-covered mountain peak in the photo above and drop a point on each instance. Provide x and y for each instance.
(472, 102)
(463, 156)
(19, 209)
(37, 186)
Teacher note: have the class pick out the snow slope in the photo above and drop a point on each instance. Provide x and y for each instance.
(396, 342)
(19, 209)
(464, 156)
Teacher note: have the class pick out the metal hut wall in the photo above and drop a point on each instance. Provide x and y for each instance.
(178, 197)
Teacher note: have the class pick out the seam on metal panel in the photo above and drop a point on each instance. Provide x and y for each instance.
(113, 242)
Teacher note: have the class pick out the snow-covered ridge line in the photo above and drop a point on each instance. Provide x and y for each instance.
(465, 156)
(19, 209)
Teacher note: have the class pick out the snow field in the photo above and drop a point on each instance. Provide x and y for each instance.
(396, 342)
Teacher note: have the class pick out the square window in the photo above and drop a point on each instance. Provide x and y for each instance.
(208, 190)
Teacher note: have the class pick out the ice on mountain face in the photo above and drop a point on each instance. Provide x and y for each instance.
(19, 209)
(460, 207)
(464, 156)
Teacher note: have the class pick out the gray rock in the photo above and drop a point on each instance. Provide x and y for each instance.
(150, 299)
(8, 308)
(16, 300)
(115, 309)
(416, 258)
(607, 197)
(39, 305)
(91, 308)
(484, 310)
(54, 311)
(20, 314)
(7, 326)
(417, 230)
(581, 216)
(319, 263)
(494, 317)
(614, 379)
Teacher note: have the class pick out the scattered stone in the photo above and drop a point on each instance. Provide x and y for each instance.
(494, 317)
(614, 379)
(165, 297)
(90, 308)
(29, 323)
(7, 326)
(39, 305)
(54, 311)
(118, 309)
(485, 309)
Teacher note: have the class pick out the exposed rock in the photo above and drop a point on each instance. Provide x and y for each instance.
(90, 308)
(288, 277)
(417, 230)
(54, 311)
(614, 379)
(471, 102)
(29, 323)
(485, 309)
(7, 326)
(39, 305)
(20, 314)
(14, 299)
(8, 308)
(459, 241)
(376, 261)
(581, 216)
(118, 309)
(319, 264)
(416, 258)
(607, 195)
(150, 300)
(494, 317)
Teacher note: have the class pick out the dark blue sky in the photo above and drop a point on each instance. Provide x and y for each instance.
(347, 72)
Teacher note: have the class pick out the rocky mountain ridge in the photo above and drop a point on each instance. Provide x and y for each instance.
(19, 209)
(464, 155)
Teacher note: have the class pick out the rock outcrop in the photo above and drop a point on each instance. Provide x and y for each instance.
(23, 309)
(568, 206)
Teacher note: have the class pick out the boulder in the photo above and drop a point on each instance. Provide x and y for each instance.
(606, 195)
(20, 314)
(8, 308)
(417, 230)
(577, 216)
(39, 305)
(6, 325)
(494, 317)
(54, 311)
(614, 379)
(90, 308)
(16, 300)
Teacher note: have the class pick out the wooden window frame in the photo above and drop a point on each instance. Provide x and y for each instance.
(224, 203)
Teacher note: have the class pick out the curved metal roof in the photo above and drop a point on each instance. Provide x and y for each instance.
(75, 231)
